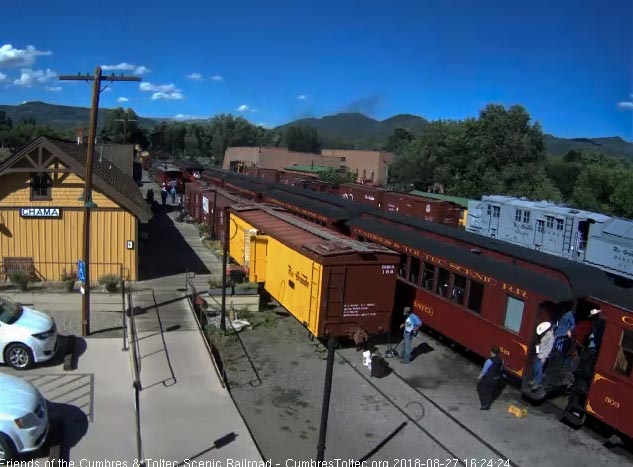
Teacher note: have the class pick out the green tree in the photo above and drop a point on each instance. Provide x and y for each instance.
(114, 129)
(399, 139)
(302, 139)
(336, 178)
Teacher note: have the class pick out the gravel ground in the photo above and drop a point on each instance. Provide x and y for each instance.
(276, 378)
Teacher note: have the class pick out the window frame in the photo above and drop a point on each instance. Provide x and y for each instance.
(549, 222)
(623, 351)
(496, 211)
(560, 225)
(526, 216)
(505, 314)
(518, 215)
(42, 175)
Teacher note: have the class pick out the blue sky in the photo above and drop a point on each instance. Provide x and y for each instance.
(570, 63)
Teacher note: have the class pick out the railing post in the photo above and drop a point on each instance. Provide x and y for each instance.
(124, 317)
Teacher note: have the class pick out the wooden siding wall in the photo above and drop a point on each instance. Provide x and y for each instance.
(55, 244)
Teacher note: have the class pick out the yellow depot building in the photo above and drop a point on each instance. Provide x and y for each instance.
(41, 213)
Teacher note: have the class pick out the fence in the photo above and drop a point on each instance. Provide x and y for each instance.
(196, 304)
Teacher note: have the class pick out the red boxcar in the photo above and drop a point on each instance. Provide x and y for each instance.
(442, 212)
(362, 194)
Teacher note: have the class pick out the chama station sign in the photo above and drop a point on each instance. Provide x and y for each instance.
(40, 212)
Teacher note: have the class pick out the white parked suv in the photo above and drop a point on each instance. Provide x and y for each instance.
(23, 417)
(26, 336)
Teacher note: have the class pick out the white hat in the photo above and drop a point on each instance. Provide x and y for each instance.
(543, 327)
(595, 311)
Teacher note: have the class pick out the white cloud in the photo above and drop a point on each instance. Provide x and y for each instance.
(11, 57)
(245, 108)
(264, 125)
(625, 105)
(147, 86)
(302, 97)
(29, 76)
(217, 78)
(3, 77)
(188, 117)
(142, 70)
(122, 99)
(167, 96)
(195, 76)
(108, 89)
(53, 88)
(120, 67)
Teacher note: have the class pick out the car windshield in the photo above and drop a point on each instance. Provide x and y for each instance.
(10, 312)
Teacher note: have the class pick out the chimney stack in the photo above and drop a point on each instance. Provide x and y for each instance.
(80, 136)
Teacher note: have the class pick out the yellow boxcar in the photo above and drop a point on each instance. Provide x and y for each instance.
(331, 284)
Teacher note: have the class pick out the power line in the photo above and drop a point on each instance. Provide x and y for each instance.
(96, 79)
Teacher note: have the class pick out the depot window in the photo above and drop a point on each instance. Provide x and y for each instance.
(443, 278)
(428, 274)
(475, 296)
(414, 269)
(624, 358)
(514, 314)
(40, 186)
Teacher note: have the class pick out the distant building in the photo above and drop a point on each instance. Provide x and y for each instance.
(369, 167)
(41, 212)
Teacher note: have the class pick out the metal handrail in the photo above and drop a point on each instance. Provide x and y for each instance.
(134, 352)
(192, 302)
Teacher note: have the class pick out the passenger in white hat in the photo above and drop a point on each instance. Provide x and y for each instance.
(546, 334)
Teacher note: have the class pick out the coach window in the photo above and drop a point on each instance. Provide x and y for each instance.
(550, 222)
(443, 278)
(459, 289)
(559, 224)
(526, 217)
(514, 314)
(403, 265)
(517, 215)
(475, 296)
(624, 358)
(496, 210)
(414, 269)
(428, 274)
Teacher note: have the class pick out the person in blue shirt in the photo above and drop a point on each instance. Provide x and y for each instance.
(562, 332)
(489, 380)
(411, 326)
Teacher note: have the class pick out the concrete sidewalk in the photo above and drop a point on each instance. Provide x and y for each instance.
(184, 408)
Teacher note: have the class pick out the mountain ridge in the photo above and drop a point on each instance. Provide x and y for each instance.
(347, 129)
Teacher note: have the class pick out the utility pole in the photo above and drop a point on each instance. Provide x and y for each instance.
(126, 119)
(96, 79)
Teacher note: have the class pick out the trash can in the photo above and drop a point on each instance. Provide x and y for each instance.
(379, 366)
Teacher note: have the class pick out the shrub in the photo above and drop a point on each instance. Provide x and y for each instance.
(19, 278)
(111, 282)
(251, 286)
(69, 276)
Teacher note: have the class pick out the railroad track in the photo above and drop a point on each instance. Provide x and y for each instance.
(493, 458)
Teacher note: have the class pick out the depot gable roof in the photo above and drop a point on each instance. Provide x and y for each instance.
(107, 177)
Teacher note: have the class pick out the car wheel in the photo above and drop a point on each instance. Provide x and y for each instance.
(7, 451)
(18, 356)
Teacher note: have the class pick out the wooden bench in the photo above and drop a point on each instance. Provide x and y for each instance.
(17, 264)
